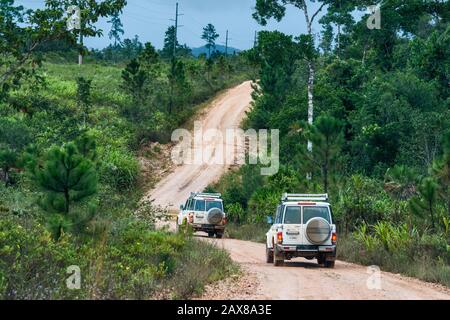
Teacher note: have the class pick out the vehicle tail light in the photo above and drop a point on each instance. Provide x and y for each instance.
(224, 221)
(334, 238)
(280, 237)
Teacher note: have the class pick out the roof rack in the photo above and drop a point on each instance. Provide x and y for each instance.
(304, 197)
(206, 195)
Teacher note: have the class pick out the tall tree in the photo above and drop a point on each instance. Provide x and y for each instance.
(179, 87)
(327, 136)
(425, 203)
(210, 36)
(169, 39)
(441, 171)
(266, 9)
(116, 29)
(167, 51)
(14, 137)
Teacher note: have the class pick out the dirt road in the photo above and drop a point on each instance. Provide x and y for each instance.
(299, 279)
(226, 112)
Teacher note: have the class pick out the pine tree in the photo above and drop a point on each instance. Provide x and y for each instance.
(178, 84)
(134, 79)
(327, 136)
(116, 29)
(14, 137)
(210, 36)
(66, 178)
(425, 203)
(8, 160)
(441, 172)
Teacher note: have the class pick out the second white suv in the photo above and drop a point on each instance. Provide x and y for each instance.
(303, 227)
(203, 212)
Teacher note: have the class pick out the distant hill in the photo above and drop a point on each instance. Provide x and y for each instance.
(198, 51)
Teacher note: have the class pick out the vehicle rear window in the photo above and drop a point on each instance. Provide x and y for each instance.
(293, 215)
(199, 205)
(213, 204)
(315, 212)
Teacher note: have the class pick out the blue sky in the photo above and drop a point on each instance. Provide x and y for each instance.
(149, 20)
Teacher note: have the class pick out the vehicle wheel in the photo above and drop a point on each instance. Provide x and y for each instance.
(269, 255)
(211, 234)
(278, 258)
(219, 235)
(320, 259)
(329, 264)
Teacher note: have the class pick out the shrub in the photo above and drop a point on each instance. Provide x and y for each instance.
(33, 265)
(235, 212)
(361, 200)
(205, 264)
(120, 169)
(249, 232)
(397, 249)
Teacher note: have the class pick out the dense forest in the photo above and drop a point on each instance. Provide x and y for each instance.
(372, 103)
(380, 136)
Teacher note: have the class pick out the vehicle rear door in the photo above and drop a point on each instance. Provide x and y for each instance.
(292, 225)
(315, 211)
(199, 212)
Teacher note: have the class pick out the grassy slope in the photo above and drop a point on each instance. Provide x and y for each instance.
(114, 266)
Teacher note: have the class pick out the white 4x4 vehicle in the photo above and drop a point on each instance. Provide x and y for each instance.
(203, 212)
(303, 228)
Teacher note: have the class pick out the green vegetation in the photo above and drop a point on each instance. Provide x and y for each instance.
(380, 134)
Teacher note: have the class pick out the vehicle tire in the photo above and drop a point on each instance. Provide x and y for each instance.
(219, 235)
(278, 259)
(210, 234)
(269, 255)
(321, 259)
(329, 264)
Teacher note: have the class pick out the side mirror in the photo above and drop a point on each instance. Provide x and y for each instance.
(269, 219)
(181, 207)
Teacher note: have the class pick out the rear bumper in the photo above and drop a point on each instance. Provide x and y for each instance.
(307, 250)
(208, 227)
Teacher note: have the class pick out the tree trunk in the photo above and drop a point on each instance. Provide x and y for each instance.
(338, 41)
(430, 204)
(67, 199)
(80, 55)
(6, 176)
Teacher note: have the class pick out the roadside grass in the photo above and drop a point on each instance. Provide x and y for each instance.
(202, 263)
(255, 232)
(130, 260)
(416, 261)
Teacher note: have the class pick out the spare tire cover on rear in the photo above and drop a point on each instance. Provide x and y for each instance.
(318, 230)
(215, 216)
